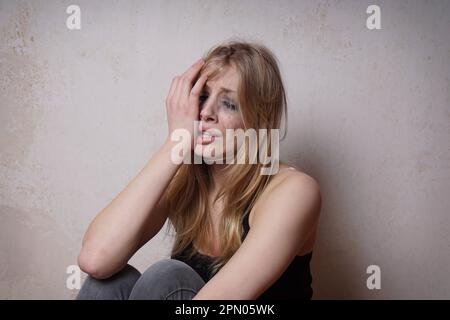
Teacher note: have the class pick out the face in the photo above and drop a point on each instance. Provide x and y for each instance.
(219, 110)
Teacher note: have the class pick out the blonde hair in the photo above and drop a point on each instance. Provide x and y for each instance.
(262, 102)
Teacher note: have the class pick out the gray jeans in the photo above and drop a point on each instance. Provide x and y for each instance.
(167, 279)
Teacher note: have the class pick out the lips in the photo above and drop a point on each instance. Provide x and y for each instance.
(204, 139)
(209, 133)
(206, 136)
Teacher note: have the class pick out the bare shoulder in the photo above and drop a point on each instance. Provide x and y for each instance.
(291, 177)
(294, 187)
(291, 198)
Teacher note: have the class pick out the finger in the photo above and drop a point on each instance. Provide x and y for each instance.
(178, 91)
(197, 88)
(173, 87)
(188, 77)
(193, 70)
(186, 85)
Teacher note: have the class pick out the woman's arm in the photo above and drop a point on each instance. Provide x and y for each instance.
(116, 232)
(135, 216)
(282, 223)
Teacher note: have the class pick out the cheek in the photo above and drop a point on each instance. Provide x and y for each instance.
(232, 122)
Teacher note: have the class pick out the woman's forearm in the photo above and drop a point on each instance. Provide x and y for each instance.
(116, 232)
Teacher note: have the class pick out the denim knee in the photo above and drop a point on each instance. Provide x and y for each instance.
(116, 287)
(167, 279)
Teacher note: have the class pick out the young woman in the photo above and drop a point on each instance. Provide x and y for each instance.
(240, 234)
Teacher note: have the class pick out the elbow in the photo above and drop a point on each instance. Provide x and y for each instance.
(93, 265)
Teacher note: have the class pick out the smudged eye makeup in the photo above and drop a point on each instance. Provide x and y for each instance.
(229, 104)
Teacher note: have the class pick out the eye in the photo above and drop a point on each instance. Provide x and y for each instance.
(202, 98)
(230, 105)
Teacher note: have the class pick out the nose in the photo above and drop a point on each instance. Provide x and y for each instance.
(208, 112)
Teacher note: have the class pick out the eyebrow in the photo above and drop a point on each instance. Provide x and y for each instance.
(222, 88)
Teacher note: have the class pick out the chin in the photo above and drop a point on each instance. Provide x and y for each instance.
(205, 152)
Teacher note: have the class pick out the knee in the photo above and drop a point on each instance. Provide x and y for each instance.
(168, 270)
(163, 277)
(118, 286)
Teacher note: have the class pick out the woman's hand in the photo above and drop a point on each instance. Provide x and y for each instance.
(182, 102)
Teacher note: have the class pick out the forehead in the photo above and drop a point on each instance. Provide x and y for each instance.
(228, 78)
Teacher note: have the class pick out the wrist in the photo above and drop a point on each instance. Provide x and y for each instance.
(177, 150)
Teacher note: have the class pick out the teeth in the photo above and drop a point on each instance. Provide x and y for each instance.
(206, 134)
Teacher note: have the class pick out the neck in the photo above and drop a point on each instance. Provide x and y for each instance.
(217, 176)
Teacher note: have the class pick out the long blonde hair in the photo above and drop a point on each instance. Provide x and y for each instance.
(262, 102)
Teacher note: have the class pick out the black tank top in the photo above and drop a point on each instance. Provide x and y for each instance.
(294, 283)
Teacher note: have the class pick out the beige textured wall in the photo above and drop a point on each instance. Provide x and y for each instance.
(81, 111)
